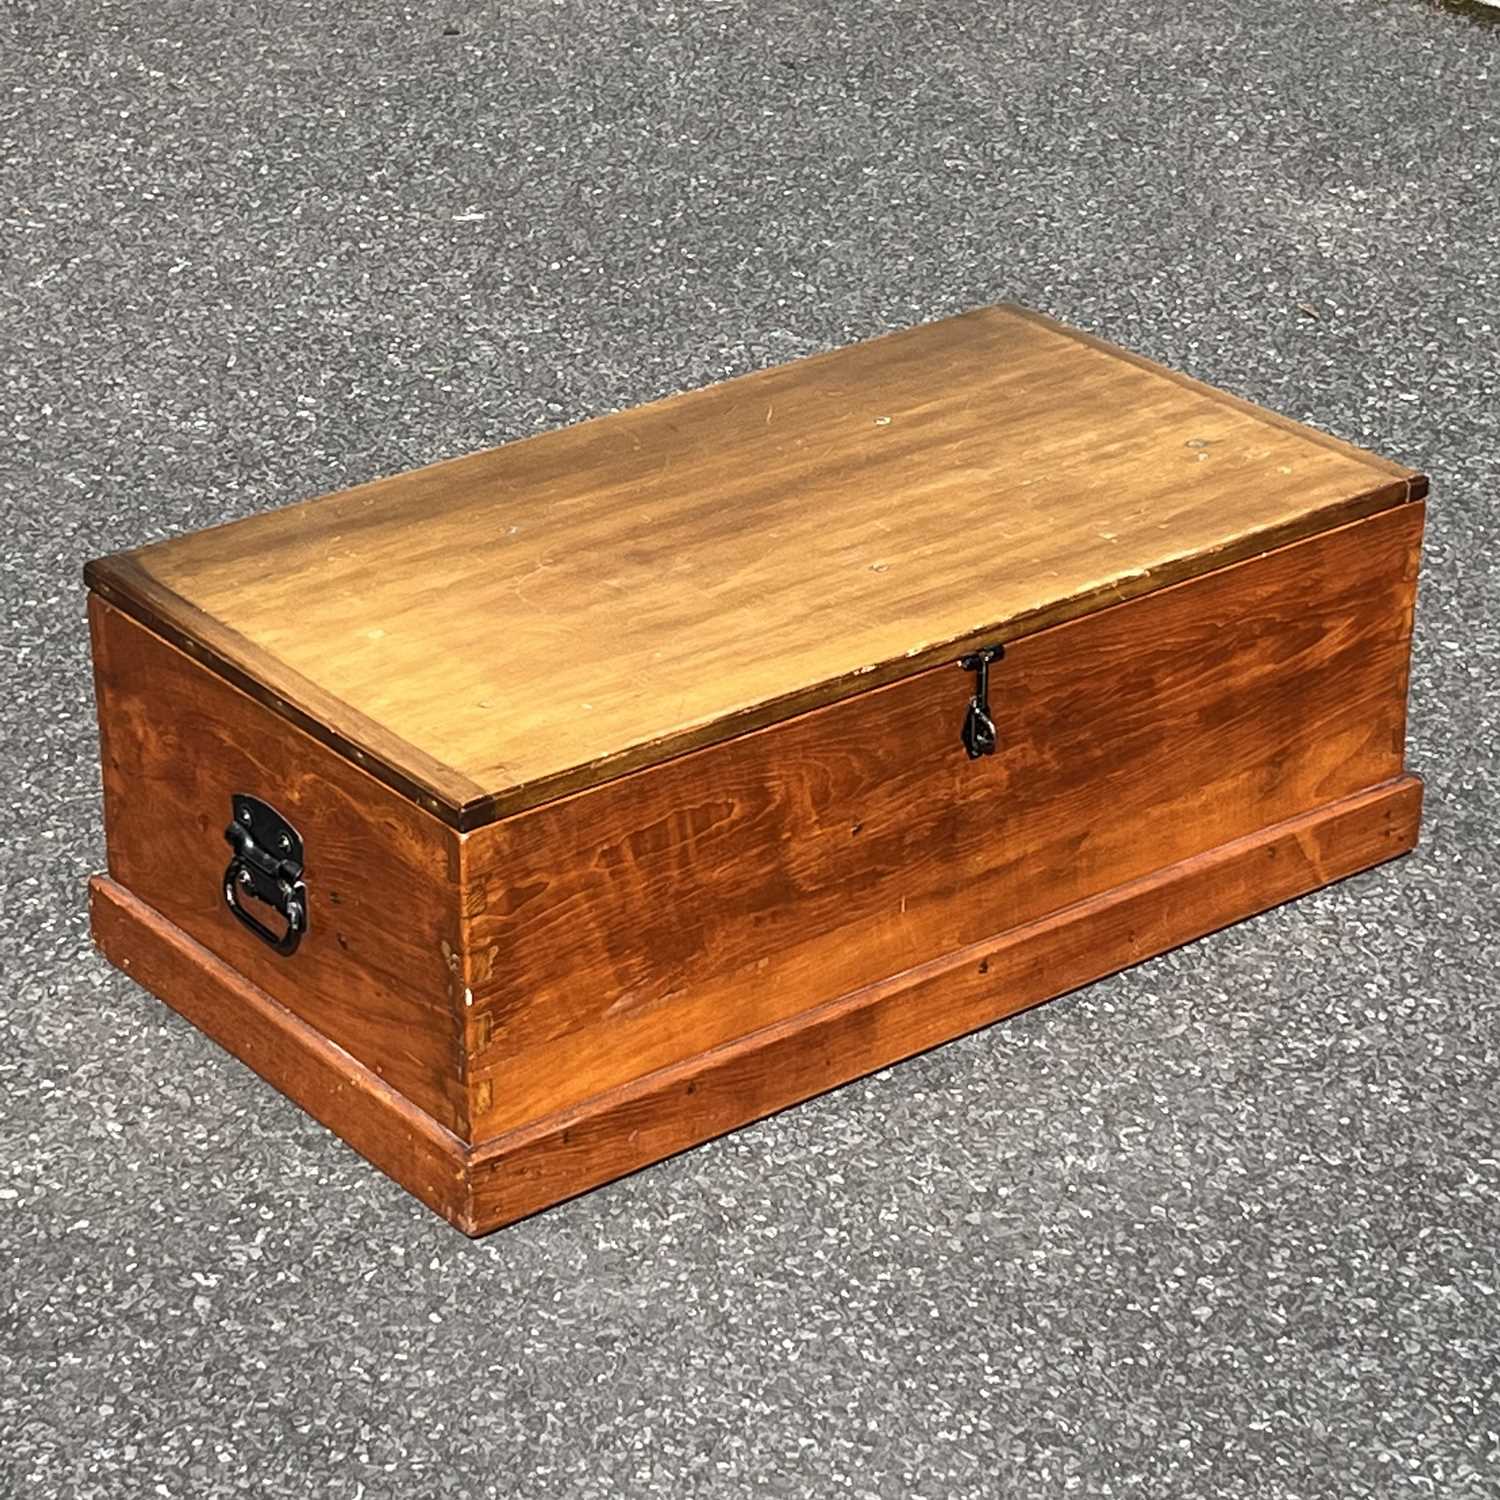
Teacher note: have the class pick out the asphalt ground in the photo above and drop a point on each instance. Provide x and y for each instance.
(1225, 1225)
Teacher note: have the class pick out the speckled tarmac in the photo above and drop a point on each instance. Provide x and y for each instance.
(1227, 1225)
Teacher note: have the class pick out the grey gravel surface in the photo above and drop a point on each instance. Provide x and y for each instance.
(1225, 1225)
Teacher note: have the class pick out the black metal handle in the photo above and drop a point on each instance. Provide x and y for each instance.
(267, 864)
(291, 903)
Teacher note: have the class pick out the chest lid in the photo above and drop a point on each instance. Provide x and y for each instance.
(498, 630)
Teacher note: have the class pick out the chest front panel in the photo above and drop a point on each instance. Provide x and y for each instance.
(673, 910)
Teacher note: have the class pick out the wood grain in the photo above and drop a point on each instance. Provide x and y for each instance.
(669, 912)
(478, 1189)
(378, 972)
(553, 1159)
(495, 632)
(331, 1085)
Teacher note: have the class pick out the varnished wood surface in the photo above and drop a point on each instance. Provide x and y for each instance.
(674, 910)
(492, 633)
(331, 1085)
(478, 1189)
(378, 971)
(871, 1028)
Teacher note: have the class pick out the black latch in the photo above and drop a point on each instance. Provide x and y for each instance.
(267, 864)
(979, 728)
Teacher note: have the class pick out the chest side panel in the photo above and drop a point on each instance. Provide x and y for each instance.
(673, 910)
(378, 970)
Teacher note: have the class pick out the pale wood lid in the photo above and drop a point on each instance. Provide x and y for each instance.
(498, 630)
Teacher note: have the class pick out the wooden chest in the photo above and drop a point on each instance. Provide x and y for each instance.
(534, 816)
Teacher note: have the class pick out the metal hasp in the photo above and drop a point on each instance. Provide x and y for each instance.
(979, 728)
(267, 864)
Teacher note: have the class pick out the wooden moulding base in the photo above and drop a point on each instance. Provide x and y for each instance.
(482, 1187)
